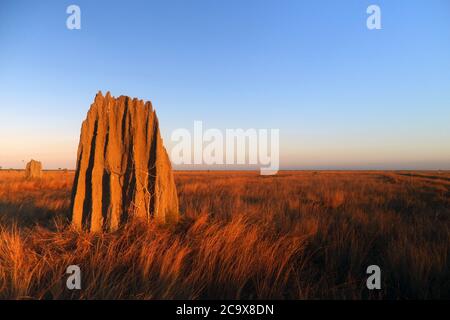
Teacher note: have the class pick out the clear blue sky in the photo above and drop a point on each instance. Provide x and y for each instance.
(342, 96)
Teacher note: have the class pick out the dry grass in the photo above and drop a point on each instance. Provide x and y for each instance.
(299, 235)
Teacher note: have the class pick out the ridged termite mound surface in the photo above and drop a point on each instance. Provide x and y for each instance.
(123, 170)
(33, 170)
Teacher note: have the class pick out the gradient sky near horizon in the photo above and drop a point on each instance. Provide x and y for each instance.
(343, 96)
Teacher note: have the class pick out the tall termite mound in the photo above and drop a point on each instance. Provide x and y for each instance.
(33, 169)
(123, 170)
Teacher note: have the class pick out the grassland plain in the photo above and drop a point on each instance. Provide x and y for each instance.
(297, 235)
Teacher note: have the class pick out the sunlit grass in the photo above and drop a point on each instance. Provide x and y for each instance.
(298, 235)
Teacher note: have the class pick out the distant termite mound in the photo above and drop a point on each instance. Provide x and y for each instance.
(33, 169)
(123, 170)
